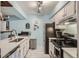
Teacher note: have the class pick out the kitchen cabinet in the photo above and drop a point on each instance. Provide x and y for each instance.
(51, 49)
(2, 25)
(22, 50)
(24, 47)
(70, 9)
(0, 14)
(67, 11)
(59, 16)
(27, 45)
(50, 46)
(3, 30)
(69, 52)
(66, 55)
(17, 53)
(14, 54)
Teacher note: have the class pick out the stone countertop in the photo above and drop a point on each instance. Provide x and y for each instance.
(52, 38)
(71, 51)
(7, 46)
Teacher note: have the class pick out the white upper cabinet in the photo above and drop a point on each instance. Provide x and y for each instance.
(59, 16)
(0, 15)
(70, 9)
(67, 11)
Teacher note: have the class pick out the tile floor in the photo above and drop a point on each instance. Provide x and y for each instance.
(37, 53)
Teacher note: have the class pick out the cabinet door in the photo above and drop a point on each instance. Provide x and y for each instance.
(56, 19)
(66, 55)
(21, 50)
(51, 49)
(28, 45)
(59, 16)
(13, 55)
(17, 53)
(25, 48)
(70, 9)
(3, 25)
(0, 13)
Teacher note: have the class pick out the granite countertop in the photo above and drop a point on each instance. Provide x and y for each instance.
(7, 46)
(71, 51)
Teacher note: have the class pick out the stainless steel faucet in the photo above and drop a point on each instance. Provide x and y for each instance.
(16, 34)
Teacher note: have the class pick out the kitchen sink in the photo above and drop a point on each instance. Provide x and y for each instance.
(17, 40)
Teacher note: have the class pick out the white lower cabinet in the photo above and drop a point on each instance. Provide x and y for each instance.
(18, 53)
(51, 49)
(15, 54)
(11, 56)
(21, 51)
(66, 55)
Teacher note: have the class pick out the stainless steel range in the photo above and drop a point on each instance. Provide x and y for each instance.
(59, 44)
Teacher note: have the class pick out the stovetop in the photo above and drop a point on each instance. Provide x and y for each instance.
(64, 43)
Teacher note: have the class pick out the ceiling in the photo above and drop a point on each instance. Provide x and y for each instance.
(26, 9)
(8, 10)
(30, 7)
(12, 12)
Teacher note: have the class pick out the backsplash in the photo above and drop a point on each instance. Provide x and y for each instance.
(71, 29)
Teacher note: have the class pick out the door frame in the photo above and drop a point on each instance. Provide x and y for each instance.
(44, 36)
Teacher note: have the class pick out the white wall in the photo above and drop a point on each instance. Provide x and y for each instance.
(19, 25)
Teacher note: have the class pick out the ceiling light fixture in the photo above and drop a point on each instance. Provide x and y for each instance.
(39, 4)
